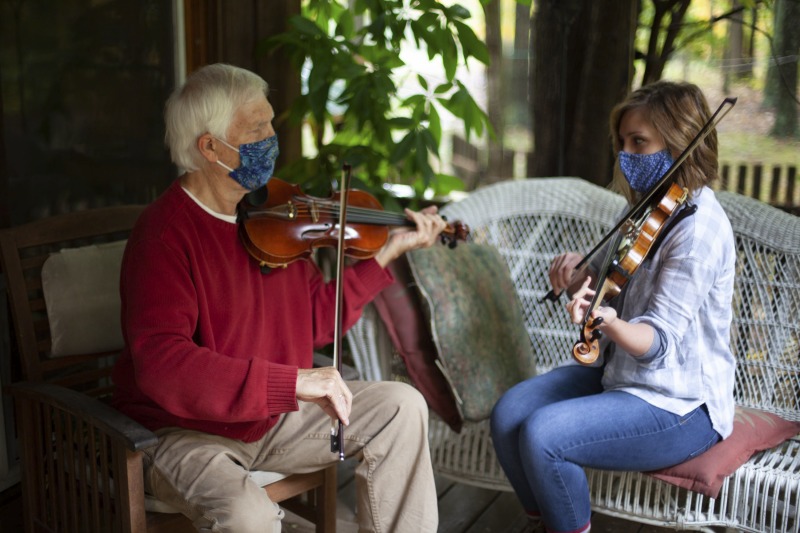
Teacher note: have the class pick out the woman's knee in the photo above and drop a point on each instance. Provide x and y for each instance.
(510, 411)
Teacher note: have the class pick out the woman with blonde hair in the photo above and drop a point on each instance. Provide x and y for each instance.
(662, 390)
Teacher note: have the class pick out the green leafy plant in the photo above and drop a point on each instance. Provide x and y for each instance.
(350, 56)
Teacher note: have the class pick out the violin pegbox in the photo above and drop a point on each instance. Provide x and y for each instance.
(457, 231)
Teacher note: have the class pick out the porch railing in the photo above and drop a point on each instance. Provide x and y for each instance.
(773, 184)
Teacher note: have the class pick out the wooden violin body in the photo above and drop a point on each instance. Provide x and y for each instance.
(637, 239)
(290, 225)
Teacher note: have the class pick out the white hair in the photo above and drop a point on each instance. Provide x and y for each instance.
(206, 103)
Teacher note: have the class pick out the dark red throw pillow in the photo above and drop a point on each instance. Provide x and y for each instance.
(753, 431)
(401, 310)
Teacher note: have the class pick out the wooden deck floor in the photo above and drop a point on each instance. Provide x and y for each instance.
(462, 509)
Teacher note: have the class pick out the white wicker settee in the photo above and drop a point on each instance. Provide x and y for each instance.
(532, 220)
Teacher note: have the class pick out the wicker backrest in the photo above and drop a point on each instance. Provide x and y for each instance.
(24, 250)
(765, 336)
(531, 221)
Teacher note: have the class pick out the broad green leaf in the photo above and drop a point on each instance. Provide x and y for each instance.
(449, 56)
(435, 124)
(470, 44)
(457, 11)
(444, 184)
(403, 148)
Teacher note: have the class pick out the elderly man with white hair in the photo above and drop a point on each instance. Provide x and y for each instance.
(218, 356)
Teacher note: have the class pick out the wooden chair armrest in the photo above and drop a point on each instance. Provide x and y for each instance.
(117, 426)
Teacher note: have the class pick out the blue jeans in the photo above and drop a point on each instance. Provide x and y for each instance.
(546, 429)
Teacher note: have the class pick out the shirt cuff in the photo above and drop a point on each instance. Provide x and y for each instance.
(374, 277)
(656, 349)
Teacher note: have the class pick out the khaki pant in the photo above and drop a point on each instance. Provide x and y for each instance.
(205, 476)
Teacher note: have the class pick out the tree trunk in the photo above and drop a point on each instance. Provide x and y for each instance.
(660, 47)
(772, 83)
(737, 64)
(496, 170)
(788, 47)
(582, 55)
(519, 67)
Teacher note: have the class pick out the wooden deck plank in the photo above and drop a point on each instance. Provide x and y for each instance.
(504, 514)
(462, 509)
(461, 506)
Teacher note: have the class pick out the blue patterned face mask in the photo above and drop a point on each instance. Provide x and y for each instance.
(643, 170)
(257, 162)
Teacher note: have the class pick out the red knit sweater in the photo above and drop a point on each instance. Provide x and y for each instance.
(212, 344)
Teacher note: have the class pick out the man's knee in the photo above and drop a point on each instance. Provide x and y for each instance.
(408, 401)
(253, 512)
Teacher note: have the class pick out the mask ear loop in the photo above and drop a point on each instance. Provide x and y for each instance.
(220, 163)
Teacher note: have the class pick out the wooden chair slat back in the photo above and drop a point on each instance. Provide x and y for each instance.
(24, 250)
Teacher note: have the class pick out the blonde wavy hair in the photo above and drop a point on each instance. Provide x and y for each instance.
(678, 111)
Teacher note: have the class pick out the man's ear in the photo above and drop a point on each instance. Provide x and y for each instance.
(206, 144)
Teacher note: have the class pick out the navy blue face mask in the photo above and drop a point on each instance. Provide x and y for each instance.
(643, 170)
(257, 162)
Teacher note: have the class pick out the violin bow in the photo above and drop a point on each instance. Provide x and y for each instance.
(337, 433)
(723, 109)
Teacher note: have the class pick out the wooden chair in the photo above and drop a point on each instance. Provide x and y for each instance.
(81, 459)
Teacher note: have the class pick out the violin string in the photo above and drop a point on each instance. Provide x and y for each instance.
(363, 216)
(363, 213)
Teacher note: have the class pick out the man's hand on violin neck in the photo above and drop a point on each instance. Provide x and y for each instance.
(326, 388)
(428, 226)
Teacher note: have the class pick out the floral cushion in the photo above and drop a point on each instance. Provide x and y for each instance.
(400, 307)
(476, 323)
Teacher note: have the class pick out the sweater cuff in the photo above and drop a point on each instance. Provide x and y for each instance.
(374, 277)
(282, 388)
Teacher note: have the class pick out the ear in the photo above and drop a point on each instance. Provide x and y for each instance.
(207, 146)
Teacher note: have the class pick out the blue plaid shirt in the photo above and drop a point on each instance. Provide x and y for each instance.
(684, 290)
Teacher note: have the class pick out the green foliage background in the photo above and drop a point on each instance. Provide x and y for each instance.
(350, 55)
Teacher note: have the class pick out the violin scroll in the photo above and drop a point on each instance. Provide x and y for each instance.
(587, 349)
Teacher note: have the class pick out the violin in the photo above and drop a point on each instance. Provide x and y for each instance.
(636, 240)
(289, 225)
(635, 236)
